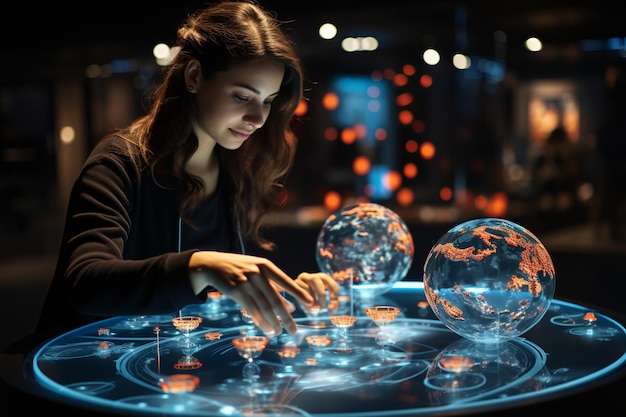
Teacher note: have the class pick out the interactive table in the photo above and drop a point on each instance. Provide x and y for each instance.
(347, 362)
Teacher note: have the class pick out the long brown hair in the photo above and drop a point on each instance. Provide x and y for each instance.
(220, 37)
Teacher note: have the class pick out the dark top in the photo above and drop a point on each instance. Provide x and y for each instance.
(124, 250)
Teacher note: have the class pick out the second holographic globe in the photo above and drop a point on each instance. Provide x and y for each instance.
(489, 280)
(366, 245)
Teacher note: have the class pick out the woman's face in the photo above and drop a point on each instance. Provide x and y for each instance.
(233, 104)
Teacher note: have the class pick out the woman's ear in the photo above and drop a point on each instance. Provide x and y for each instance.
(193, 72)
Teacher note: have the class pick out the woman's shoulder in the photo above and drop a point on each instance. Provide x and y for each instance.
(116, 145)
(116, 148)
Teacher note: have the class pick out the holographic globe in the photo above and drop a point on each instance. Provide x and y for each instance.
(489, 280)
(367, 246)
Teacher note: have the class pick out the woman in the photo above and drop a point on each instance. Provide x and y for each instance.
(161, 209)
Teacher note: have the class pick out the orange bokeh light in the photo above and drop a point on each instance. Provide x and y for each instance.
(426, 81)
(480, 202)
(408, 69)
(302, 108)
(404, 99)
(400, 80)
(361, 165)
(411, 146)
(332, 201)
(405, 117)
(427, 150)
(348, 135)
(497, 205)
(393, 180)
(445, 193)
(405, 197)
(330, 101)
(410, 170)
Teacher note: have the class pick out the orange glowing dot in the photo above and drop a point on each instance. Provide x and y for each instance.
(405, 197)
(445, 193)
(332, 201)
(411, 146)
(302, 108)
(408, 69)
(404, 99)
(361, 165)
(427, 151)
(103, 346)
(497, 205)
(426, 81)
(400, 80)
(410, 170)
(348, 135)
(480, 202)
(589, 316)
(330, 101)
(422, 304)
(393, 180)
(405, 117)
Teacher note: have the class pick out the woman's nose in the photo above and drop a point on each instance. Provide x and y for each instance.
(255, 116)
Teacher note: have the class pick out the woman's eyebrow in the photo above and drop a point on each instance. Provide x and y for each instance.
(254, 90)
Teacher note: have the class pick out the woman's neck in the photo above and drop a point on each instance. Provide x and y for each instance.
(204, 162)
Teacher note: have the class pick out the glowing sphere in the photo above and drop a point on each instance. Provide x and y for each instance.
(489, 280)
(366, 245)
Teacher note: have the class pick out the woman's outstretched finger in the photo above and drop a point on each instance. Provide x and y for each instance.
(272, 306)
(274, 273)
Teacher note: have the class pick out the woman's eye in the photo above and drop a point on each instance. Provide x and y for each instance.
(241, 99)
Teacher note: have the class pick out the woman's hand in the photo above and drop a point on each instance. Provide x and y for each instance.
(255, 284)
(322, 287)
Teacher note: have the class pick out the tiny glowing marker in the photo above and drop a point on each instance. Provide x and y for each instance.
(590, 317)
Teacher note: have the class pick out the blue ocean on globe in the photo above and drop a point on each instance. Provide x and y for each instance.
(489, 279)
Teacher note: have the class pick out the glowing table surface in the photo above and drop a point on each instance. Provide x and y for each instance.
(146, 366)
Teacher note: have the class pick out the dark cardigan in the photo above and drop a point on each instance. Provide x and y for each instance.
(120, 251)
